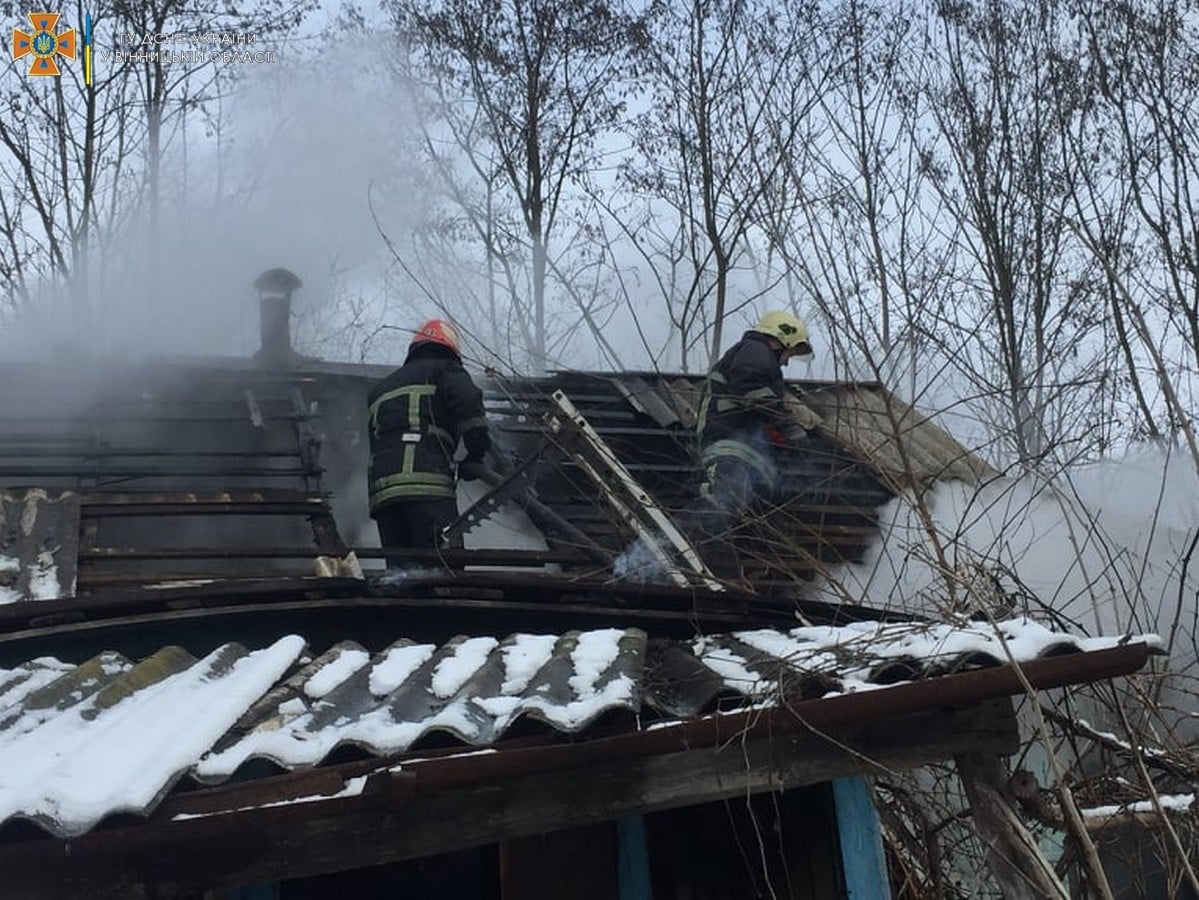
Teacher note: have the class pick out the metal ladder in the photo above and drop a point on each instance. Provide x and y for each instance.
(632, 502)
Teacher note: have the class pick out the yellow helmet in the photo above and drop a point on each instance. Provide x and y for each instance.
(787, 329)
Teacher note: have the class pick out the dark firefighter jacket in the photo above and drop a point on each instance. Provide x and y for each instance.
(743, 407)
(416, 416)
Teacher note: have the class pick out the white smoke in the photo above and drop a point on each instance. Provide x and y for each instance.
(1105, 547)
(1106, 550)
(639, 563)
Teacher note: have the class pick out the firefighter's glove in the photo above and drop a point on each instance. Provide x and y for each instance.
(794, 436)
(470, 468)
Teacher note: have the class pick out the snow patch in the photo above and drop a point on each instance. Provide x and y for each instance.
(592, 656)
(1171, 802)
(455, 670)
(140, 743)
(396, 667)
(43, 578)
(524, 658)
(335, 672)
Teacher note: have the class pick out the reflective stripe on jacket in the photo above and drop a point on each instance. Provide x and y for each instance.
(764, 468)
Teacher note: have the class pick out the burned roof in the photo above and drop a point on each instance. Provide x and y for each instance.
(865, 447)
(200, 685)
(157, 472)
(83, 742)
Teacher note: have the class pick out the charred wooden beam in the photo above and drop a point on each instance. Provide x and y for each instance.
(450, 558)
(104, 498)
(151, 510)
(42, 450)
(101, 469)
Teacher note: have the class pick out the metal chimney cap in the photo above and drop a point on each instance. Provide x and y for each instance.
(282, 281)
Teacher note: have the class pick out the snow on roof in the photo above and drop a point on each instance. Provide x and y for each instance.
(124, 734)
(37, 544)
(865, 655)
(82, 742)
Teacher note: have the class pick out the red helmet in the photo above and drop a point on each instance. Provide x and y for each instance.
(438, 331)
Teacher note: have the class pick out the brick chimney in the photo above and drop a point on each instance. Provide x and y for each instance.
(275, 287)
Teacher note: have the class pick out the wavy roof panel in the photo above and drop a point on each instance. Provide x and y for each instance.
(82, 742)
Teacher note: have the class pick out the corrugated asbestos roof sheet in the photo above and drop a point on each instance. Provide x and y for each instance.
(82, 742)
(899, 443)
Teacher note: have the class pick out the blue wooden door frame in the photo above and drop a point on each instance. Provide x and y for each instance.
(862, 858)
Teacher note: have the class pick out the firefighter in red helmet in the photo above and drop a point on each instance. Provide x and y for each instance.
(417, 415)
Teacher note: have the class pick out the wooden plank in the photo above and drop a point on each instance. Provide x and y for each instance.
(94, 497)
(192, 509)
(280, 789)
(91, 578)
(863, 860)
(94, 469)
(296, 840)
(181, 613)
(98, 555)
(94, 453)
(112, 416)
(452, 558)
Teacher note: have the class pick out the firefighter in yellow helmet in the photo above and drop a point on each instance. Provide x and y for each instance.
(743, 417)
(417, 415)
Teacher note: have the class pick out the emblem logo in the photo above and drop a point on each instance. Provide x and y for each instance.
(45, 43)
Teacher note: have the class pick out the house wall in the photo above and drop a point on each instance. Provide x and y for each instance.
(778, 845)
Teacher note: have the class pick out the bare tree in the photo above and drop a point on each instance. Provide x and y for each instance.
(1040, 273)
(81, 160)
(1138, 218)
(732, 82)
(997, 100)
(65, 174)
(519, 96)
(854, 228)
